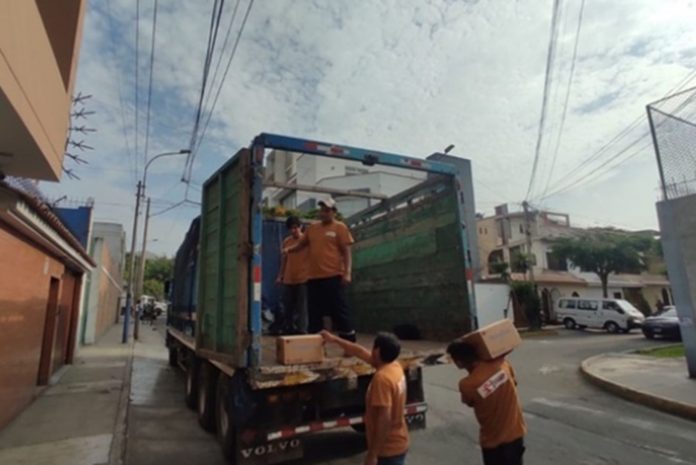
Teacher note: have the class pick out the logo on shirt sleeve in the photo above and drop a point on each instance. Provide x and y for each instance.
(492, 384)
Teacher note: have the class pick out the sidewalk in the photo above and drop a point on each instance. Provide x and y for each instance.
(80, 419)
(658, 383)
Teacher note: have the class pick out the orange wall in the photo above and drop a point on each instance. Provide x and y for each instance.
(25, 273)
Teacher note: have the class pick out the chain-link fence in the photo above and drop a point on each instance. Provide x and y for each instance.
(673, 126)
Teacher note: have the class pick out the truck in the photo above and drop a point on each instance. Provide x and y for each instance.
(411, 275)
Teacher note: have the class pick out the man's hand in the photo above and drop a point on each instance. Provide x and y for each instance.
(328, 337)
(370, 459)
(279, 280)
(346, 279)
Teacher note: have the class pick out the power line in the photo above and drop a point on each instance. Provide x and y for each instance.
(222, 82)
(152, 70)
(137, 65)
(567, 95)
(556, 187)
(212, 37)
(121, 100)
(547, 85)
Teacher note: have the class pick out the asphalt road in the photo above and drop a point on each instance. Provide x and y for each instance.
(570, 422)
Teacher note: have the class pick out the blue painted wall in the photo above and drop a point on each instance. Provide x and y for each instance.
(77, 220)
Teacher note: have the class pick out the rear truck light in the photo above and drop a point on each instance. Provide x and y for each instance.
(342, 422)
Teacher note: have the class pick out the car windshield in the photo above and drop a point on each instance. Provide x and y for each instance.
(627, 306)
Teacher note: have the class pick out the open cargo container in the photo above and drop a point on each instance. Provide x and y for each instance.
(409, 275)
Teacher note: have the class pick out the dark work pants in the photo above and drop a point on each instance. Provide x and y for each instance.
(295, 307)
(327, 296)
(505, 454)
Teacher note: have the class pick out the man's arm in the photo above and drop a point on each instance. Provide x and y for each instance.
(348, 261)
(283, 264)
(463, 391)
(303, 242)
(350, 348)
(381, 430)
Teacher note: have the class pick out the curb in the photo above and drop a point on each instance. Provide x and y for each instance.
(117, 454)
(535, 334)
(637, 396)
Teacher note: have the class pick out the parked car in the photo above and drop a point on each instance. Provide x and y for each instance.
(665, 324)
(614, 315)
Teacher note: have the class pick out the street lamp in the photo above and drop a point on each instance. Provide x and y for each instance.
(129, 293)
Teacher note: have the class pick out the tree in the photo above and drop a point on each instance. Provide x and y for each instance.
(605, 253)
(525, 295)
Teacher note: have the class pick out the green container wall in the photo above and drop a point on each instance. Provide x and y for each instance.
(409, 268)
(224, 263)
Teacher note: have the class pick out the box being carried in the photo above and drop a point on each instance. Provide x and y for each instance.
(299, 350)
(495, 340)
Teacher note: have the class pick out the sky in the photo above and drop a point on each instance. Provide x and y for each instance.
(401, 76)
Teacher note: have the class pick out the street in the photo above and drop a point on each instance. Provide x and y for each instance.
(570, 421)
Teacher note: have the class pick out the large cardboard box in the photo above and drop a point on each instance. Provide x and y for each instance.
(494, 340)
(298, 350)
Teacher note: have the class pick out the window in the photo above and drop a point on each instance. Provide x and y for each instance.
(567, 304)
(590, 305)
(521, 229)
(486, 230)
(617, 295)
(480, 230)
(575, 294)
(612, 306)
(555, 262)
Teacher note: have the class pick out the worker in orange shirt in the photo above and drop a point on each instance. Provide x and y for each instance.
(385, 424)
(293, 277)
(491, 390)
(330, 270)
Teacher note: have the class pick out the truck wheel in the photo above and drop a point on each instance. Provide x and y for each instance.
(191, 395)
(173, 356)
(207, 391)
(569, 323)
(226, 429)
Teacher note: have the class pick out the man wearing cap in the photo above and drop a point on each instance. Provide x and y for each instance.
(330, 270)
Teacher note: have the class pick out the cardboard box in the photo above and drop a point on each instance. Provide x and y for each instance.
(298, 350)
(495, 340)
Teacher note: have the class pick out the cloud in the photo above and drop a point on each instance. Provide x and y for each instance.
(402, 76)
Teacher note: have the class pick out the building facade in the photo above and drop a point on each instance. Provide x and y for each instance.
(39, 45)
(502, 238)
(41, 279)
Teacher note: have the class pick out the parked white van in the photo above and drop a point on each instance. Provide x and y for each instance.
(614, 315)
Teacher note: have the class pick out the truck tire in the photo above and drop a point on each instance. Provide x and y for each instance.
(569, 323)
(173, 356)
(226, 428)
(207, 391)
(191, 394)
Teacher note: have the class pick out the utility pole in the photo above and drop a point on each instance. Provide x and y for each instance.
(131, 271)
(141, 274)
(528, 234)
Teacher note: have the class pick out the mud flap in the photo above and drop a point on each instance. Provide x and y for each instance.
(282, 450)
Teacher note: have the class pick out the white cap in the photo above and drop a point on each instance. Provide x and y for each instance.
(328, 203)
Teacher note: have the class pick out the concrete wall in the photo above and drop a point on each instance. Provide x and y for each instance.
(103, 293)
(25, 277)
(678, 236)
(39, 42)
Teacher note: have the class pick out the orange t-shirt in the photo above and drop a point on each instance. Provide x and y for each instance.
(325, 242)
(491, 389)
(296, 264)
(388, 389)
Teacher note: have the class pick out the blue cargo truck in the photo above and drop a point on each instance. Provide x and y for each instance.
(410, 275)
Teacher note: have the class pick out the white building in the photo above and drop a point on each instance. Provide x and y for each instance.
(331, 176)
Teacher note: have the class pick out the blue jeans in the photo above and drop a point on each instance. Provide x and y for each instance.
(396, 460)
